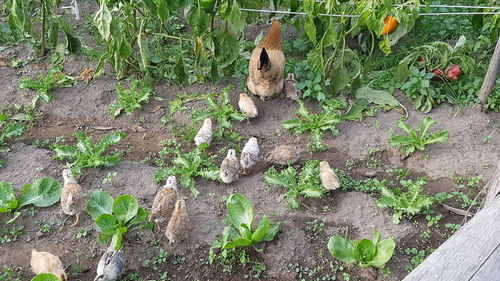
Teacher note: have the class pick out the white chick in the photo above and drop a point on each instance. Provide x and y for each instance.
(204, 135)
(249, 155)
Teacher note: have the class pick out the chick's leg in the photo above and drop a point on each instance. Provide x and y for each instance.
(77, 222)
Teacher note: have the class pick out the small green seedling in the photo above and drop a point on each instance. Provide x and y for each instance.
(307, 183)
(366, 252)
(129, 99)
(55, 78)
(417, 140)
(9, 129)
(239, 233)
(315, 123)
(405, 204)
(115, 217)
(87, 154)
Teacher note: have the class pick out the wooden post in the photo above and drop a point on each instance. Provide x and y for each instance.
(473, 252)
(491, 75)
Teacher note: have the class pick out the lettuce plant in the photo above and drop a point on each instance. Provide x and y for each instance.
(45, 277)
(417, 139)
(239, 233)
(87, 154)
(366, 252)
(405, 204)
(41, 193)
(131, 98)
(307, 183)
(114, 217)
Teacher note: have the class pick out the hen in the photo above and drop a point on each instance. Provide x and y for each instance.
(267, 65)
(328, 177)
(178, 224)
(164, 202)
(229, 167)
(249, 155)
(72, 198)
(44, 262)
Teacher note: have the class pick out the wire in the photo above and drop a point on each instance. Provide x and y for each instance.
(357, 16)
(439, 6)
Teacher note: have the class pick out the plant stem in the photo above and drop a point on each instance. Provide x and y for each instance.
(44, 15)
(172, 37)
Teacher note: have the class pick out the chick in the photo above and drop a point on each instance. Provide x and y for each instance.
(110, 266)
(164, 202)
(44, 262)
(204, 135)
(229, 167)
(290, 88)
(267, 65)
(249, 155)
(329, 178)
(248, 107)
(284, 155)
(72, 198)
(178, 224)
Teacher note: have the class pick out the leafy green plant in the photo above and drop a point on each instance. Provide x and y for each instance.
(418, 89)
(87, 154)
(417, 139)
(41, 193)
(307, 183)
(188, 166)
(405, 204)
(24, 13)
(46, 277)
(10, 129)
(115, 217)
(239, 233)
(366, 252)
(131, 98)
(222, 111)
(315, 123)
(55, 78)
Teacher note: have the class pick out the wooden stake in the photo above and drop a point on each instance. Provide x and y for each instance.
(491, 76)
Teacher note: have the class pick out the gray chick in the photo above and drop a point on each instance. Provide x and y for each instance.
(110, 266)
(290, 88)
(249, 155)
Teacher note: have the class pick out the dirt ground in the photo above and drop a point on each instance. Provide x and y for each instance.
(85, 107)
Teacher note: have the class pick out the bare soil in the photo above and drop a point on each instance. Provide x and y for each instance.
(85, 107)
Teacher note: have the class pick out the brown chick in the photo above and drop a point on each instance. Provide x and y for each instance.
(290, 88)
(249, 155)
(329, 178)
(164, 202)
(284, 155)
(229, 167)
(178, 224)
(248, 107)
(44, 262)
(267, 65)
(72, 198)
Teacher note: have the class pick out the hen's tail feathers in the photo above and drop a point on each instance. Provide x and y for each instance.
(264, 61)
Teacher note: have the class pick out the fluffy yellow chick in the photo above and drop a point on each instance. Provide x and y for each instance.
(204, 135)
(164, 202)
(266, 67)
(72, 198)
(248, 107)
(45, 262)
(229, 167)
(284, 155)
(178, 224)
(329, 178)
(249, 155)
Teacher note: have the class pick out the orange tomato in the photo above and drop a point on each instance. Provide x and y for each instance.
(390, 24)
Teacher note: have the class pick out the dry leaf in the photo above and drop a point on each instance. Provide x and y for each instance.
(86, 75)
(458, 211)
(103, 128)
(155, 108)
(138, 129)
(3, 64)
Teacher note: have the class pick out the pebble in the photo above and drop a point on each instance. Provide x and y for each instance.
(39, 234)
